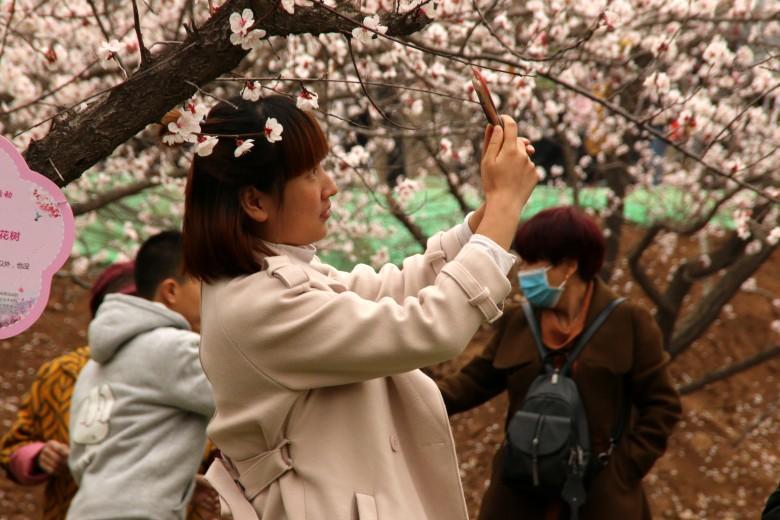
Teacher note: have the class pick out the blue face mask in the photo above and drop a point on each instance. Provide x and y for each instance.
(536, 288)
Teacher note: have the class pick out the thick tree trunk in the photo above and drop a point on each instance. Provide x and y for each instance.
(617, 180)
(78, 140)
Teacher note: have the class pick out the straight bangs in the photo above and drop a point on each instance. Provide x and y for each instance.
(303, 145)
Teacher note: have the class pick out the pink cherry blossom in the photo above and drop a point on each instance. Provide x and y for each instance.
(108, 50)
(369, 32)
(307, 100)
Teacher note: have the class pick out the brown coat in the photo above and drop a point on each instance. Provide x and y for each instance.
(626, 353)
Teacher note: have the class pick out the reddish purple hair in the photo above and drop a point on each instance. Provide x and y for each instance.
(562, 233)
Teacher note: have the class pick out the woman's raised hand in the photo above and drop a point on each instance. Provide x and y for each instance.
(508, 178)
(506, 167)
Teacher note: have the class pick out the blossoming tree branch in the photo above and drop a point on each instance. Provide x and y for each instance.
(674, 101)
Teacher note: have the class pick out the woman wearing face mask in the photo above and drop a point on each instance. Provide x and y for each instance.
(620, 373)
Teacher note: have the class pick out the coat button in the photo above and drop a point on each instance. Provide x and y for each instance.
(394, 444)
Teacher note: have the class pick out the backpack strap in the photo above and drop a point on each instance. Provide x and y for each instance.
(534, 326)
(585, 337)
(620, 426)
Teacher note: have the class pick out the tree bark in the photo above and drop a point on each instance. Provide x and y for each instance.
(617, 180)
(78, 140)
(403, 218)
(111, 196)
(452, 186)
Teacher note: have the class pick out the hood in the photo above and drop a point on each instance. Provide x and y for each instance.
(121, 318)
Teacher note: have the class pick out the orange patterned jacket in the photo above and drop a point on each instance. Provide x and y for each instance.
(44, 415)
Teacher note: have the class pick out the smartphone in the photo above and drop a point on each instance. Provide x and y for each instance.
(483, 93)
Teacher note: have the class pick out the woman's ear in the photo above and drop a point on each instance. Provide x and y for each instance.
(571, 266)
(254, 203)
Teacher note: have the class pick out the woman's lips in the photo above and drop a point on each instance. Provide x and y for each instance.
(325, 215)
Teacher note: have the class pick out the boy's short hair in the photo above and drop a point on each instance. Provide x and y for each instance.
(158, 258)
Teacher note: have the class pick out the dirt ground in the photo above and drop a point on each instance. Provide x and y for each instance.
(722, 462)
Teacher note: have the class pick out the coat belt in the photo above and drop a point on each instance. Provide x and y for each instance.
(238, 483)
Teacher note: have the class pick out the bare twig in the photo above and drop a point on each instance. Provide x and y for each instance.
(7, 28)
(50, 92)
(454, 191)
(208, 94)
(367, 94)
(470, 61)
(146, 56)
(56, 170)
(727, 372)
(351, 81)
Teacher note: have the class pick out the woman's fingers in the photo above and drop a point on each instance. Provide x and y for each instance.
(522, 142)
(510, 131)
(494, 143)
(486, 138)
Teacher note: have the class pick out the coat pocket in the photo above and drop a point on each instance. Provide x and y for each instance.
(366, 507)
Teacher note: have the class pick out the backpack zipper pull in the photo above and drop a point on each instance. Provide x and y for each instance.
(535, 468)
(555, 375)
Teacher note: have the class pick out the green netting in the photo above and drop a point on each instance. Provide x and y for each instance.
(433, 209)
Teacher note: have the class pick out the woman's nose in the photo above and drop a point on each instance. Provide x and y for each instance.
(330, 187)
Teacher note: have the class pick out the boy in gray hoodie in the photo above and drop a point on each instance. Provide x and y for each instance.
(141, 404)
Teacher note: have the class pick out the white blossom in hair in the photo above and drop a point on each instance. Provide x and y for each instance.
(206, 144)
(243, 146)
(273, 130)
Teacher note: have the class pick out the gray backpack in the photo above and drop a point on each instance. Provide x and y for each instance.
(547, 448)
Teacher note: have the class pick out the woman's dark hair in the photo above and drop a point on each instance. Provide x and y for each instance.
(218, 235)
(561, 233)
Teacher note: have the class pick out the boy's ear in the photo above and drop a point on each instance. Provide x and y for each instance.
(166, 292)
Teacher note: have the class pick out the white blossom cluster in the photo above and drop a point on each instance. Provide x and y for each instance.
(698, 73)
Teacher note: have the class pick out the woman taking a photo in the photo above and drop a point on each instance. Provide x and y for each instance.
(321, 413)
(629, 401)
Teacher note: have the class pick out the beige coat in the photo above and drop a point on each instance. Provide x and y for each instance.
(320, 407)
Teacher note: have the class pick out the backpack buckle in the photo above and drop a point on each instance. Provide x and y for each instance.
(604, 456)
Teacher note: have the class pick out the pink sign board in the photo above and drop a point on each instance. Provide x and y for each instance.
(36, 236)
